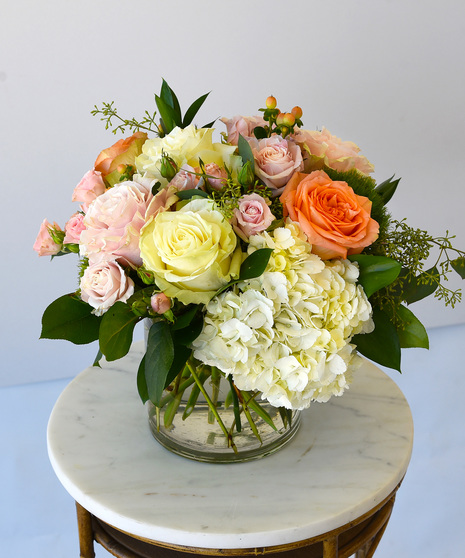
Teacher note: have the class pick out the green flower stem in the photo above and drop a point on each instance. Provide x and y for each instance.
(182, 387)
(215, 383)
(212, 407)
(171, 409)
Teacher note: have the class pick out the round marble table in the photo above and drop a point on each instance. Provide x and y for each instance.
(347, 460)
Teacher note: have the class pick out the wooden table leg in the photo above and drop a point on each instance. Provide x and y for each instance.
(86, 535)
(330, 548)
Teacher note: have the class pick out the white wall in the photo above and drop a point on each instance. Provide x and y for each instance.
(388, 75)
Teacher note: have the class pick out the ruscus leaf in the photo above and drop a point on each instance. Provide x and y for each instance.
(245, 151)
(381, 345)
(193, 110)
(116, 331)
(412, 332)
(159, 357)
(255, 264)
(68, 317)
(376, 272)
(387, 188)
(458, 265)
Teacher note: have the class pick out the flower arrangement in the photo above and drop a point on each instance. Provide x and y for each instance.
(267, 255)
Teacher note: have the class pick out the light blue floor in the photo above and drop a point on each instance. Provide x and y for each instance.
(37, 517)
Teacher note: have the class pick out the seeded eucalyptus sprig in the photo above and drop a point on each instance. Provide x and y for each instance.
(109, 112)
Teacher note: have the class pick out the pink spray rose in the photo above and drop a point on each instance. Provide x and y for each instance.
(219, 174)
(243, 125)
(252, 216)
(185, 179)
(73, 228)
(90, 187)
(44, 244)
(322, 148)
(276, 160)
(160, 303)
(113, 223)
(103, 284)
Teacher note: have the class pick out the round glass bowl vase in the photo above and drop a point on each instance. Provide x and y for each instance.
(216, 423)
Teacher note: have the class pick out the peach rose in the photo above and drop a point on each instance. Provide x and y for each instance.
(220, 176)
(335, 219)
(276, 160)
(90, 187)
(185, 179)
(123, 152)
(322, 148)
(242, 125)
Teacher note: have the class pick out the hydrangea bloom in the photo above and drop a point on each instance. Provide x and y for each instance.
(287, 333)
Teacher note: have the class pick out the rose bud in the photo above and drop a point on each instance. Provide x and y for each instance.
(160, 303)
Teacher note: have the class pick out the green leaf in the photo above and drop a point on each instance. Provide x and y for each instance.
(169, 96)
(186, 335)
(181, 355)
(421, 286)
(210, 124)
(259, 132)
(185, 319)
(116, 331)
(193, 110)
(376, 272)
(97, 359)
(387, 189)
(68, 317)
(158, 360)
(188, 194)
(245, 151)
(255, 406)
(167, 114)
(142, 382)
(458, 265)
(255, 264)
(382, 345)
(412, 333)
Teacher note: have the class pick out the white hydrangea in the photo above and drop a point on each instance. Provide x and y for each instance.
(287, 333)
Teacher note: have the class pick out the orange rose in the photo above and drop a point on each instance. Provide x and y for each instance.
(123, 152)
(335, 219)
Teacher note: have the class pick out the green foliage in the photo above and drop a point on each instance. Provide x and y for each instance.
(411, 331)
(158, 360)
(381, 345)
(255, 264)
(109, 112)
(70, 318)
(376, 272)
(387, 188)
(116, 331)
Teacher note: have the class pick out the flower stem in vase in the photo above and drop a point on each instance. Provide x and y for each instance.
(215, 383)
(213, 408)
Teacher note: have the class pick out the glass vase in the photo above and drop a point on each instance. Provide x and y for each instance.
(203, 416)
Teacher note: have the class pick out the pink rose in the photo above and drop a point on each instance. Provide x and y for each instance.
(252, 216)
(185, 179)
(90, 187)
(113, 223)
(219, 174)
(44, 244)
(243, 125)
(160, 303)
(322, 148)
(165, 198)
(103, 284)
(73, 228)
(276, 160)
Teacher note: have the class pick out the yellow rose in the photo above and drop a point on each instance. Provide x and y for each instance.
(192, 252)
(185, 146)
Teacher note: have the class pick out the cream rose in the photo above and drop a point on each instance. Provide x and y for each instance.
(192, 252)
(186, 147)
(103, 284)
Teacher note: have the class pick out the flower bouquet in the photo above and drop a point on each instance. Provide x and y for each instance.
(263, 262)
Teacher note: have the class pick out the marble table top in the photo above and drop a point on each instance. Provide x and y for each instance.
(348, 455)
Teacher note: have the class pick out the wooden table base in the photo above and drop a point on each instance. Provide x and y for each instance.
(359, 537)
